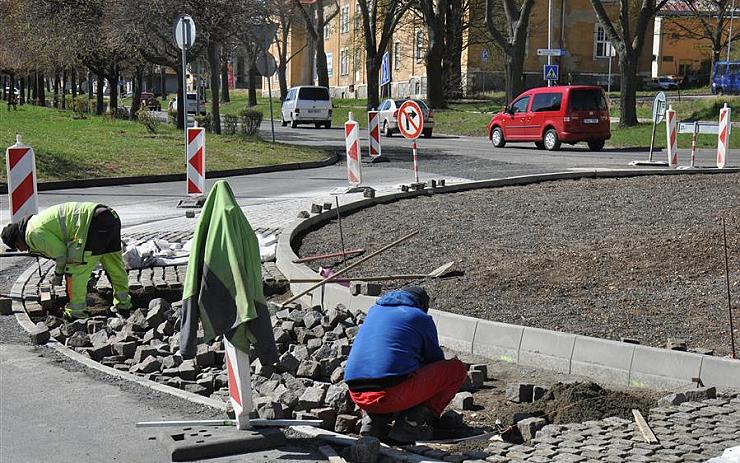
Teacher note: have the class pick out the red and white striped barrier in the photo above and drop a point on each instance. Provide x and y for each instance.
(723, 139)
(373, 132)
(352, 140)
(671, 128)
(20, 162)
(240, 385)
(196, 167)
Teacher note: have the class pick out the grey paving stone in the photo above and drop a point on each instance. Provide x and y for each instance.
(569, 450)
(569, 457)
(545, 453)
(497, 459)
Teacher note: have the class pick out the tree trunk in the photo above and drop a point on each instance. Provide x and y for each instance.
(35, 89)
(252, 85)
(73, 84)
(21, 90)
(163, 82)
(215, 66)
(282, 78)
(435, 51)
(514, 73)
(99, 102)
(150, 78)
(64, 89)
(181, 114)
(372, 65)
(225, 97)
(56, 103)
(451, 61)
(628, 91)
(42, 90)
(138, 83)
(113, 89)
(322, 72)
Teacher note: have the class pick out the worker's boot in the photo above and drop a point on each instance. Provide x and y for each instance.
(413, 425)
(375, 424)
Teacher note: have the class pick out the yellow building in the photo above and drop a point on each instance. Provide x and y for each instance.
(574, 29)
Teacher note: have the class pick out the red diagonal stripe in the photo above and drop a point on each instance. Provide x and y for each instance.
(352, 153)
(723, 135)
(197, 160)
(21, 193)
(233, 387)
(375, 133)
(353, 178)
(192, 188)
(15, 155)
(348, 129)
(192, 133)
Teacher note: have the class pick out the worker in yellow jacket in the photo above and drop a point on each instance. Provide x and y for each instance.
(76, 236)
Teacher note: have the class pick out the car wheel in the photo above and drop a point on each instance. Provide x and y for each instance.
(293, 122)
(283, 122)
(327, 125)
(386, 130)
(427, 134)
(596, 145)
(540, 145)
(551, 140)
(497, 138)
(318, 124)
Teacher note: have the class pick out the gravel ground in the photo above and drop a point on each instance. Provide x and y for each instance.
(637, 257)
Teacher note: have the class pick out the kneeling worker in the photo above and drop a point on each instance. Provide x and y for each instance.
(396, 366)
(76, 236)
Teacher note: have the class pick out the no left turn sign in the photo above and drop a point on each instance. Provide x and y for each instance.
(410, 120)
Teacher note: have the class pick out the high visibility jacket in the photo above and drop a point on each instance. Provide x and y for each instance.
(60, 233)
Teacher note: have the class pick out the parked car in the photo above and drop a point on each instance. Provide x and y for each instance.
(388, 117)
(192, 106)
(307, 105)
(726, 77)
(148, 100)
(664, 83)
(549, 116)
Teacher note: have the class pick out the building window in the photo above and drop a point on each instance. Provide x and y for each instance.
(667, 59)
(419, 45)
(343, 62)
(602, 47)
(330, 64)
(358, 16)
(358, 58)
(397, 55)
(327, 30)
(344, 20)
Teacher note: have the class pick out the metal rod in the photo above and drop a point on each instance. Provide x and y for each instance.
(727, 281)
(351, 266)
(341, 233)
(416, 162)
(269, 96)
(652, 138)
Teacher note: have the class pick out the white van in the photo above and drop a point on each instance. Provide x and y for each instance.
(192, 100)
(307, 105)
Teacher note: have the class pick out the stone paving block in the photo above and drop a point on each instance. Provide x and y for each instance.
(700, 394)
(602, 359)
(519, 392)
(462, 401)
(546, 349)
(198, 443)
(456, 331)
(528, 428)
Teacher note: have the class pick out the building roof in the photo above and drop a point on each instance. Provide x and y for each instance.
(682, 7)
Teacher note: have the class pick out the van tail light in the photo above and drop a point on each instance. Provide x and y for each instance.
(605, 116)
(431, 115)
(330, 113)
(395, 114)
(297, 110)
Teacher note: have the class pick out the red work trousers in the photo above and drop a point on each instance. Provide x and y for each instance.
(432, 385)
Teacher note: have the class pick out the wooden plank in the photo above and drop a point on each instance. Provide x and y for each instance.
(331, 455)
(647, 433)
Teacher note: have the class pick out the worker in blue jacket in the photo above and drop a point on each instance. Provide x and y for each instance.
(396, 366)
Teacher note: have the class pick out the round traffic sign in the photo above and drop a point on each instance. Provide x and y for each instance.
(184, 31)
(410, 120)
(659, 105)
(266, 64)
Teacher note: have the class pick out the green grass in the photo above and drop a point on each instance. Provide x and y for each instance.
(96, 147)
(705, 109)
(640, 136)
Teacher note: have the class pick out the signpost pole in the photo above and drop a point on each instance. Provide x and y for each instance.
(652, 138)
(609, 84)
(184, 92)
(269, 95)
(549, 36)
(416, 162)
(693, 143)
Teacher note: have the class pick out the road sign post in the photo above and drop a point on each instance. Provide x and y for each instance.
(385, 71)
(658, 113)
(185, 37)
(267, 67)
(411, 123)
(550, 72)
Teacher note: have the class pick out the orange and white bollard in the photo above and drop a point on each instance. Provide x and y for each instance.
(196, 167)
(20, 162)
(671, 128)
(354, 153)
(240, 385)
(723, 139)
(373, 132)
(693, 143)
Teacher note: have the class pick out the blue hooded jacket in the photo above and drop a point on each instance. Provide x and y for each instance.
(396, 338)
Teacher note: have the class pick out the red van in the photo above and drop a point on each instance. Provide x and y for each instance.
(549, 116)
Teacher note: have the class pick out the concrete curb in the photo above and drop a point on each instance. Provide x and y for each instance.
(112, 181)
(25, 321)
(601, 359)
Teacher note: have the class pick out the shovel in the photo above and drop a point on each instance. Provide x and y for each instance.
(439, 272)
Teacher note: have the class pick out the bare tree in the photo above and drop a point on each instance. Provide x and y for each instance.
(317, 16)
(510, 35)
(627, 37)
(285, 16)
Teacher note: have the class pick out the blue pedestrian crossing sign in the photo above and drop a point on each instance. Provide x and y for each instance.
(385, 69)
(551, 71)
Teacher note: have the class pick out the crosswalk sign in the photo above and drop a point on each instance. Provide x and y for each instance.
(551, 71)
(385, 69)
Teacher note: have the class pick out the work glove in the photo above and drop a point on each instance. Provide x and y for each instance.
(57, 280)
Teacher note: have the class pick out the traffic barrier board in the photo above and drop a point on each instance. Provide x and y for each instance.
(723, 138)
(373, 132)
(20, 163)
(352, 142)
(410, 120)
(671, 136)
(196, 167)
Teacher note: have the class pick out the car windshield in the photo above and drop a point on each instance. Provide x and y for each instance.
(587, 100)
(400, 102)
(313, 93)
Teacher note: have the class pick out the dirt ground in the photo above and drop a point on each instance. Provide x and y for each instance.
(635, 257)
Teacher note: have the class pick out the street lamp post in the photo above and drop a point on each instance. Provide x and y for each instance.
(549, 36)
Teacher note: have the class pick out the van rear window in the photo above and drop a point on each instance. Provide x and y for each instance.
(587, 100)
(313, 93)
(546, 102)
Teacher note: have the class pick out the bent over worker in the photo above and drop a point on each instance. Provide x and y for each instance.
(76, 236)
(396, 366)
